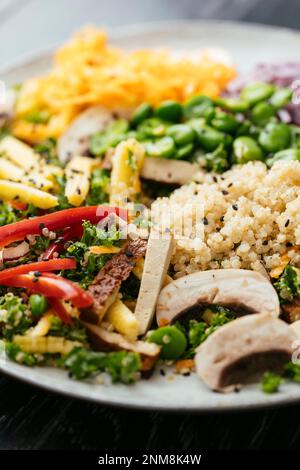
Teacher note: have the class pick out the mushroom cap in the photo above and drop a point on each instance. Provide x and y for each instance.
(75, 141)
(243, 348)
(236, 288)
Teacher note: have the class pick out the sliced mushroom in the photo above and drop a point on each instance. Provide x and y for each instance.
(104, 340)
(168, 171)
(106, 284)
(157, 261)
(242, 350)
(239, 289)
(75, 141)
(163, 170)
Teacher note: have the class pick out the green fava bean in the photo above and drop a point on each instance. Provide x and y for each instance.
(120, 126)
(38, 304)
(163, 148)
(262, 112)
(232, 104)
(208, 137)
(169, 111)
(198, 106)
(172, 341)
(142, 112)
(287, 155)
(245, 149)
(256, 92)
(275, 137)
(184, 151)
(152, 127)
(181, 133)
(225, 123)
(281, 97)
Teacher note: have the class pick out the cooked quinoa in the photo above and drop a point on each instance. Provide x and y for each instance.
(251, 217)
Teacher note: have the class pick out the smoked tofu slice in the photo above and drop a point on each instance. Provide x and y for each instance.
(157, 261)
(104, 340)
(78, 173)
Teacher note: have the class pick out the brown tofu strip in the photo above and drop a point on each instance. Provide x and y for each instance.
(157, 261)
(104, 340)
(107, 283)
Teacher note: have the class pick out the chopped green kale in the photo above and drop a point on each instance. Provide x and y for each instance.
(122, 366)
(74, 332)
(15, 353)
(47, 149)
(288, 285)
(14, 316)
(270, 382)
(292, 371)
(98, 190)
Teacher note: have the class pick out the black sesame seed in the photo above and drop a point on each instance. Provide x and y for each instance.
(162, 372)
(225, 192)
(129, 254)
(215, 179)
(230, 184)
(78, 191)
(265, 242)
(205, 221)
(37, 273)
(42, 226)
(186, 374)
(235, 207)
(288, 244)
(222, 218)
(287, 223)
(35, 279)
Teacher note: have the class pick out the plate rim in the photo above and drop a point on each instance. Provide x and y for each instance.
(115, 33)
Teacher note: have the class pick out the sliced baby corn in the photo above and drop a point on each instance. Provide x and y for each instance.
(127, 163)
(123, 320)
(78, 173)
(10, 190)
(19, 153)
(41, 328)
(45, 344)
(12, 172)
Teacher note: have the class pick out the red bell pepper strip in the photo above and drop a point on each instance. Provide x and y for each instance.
(73, 233)
(18, 205)
(43, 285)
(82, 299)
(51, 265)
(60, 310)
(55, 221)
(51, 286)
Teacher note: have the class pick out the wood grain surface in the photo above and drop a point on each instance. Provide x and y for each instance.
(34, 419)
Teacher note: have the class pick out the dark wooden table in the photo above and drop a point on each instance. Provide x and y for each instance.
(34, 419)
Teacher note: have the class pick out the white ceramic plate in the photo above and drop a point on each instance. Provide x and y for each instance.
(248, 45)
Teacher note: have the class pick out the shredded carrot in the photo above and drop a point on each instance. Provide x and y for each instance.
(184, 365)
(88, 71)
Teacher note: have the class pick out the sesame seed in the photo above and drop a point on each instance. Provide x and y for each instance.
(225, 192)
(205, 221)
(235, 207)
(287, 223)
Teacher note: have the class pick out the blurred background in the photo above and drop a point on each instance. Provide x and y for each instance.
(28, 25)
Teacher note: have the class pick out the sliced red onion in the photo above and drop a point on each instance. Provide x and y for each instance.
(284, 116)
(15, 252)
